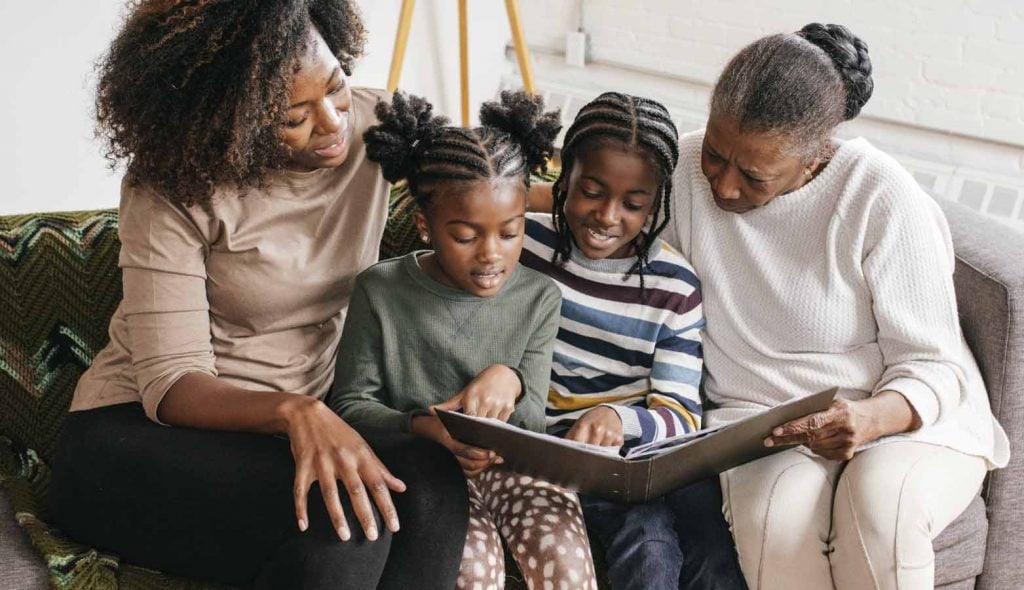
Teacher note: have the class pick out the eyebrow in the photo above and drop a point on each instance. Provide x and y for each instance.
(753, 172)
(605, 185)
(334, 74)
(477, 226)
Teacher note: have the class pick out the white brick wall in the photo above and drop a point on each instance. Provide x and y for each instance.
(951, 65)
(949, 75)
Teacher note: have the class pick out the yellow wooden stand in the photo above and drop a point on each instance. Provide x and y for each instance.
(518, 39)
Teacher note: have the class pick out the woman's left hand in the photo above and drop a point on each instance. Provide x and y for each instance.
(839, 431)
(491, 394)
(835, 433)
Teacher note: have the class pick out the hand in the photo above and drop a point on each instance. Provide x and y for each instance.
(836, 433)
(472, 459)
(491, 394)
(839, 431)
(598, 426)
(327, 449)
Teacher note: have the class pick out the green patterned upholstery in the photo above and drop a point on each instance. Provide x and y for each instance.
(60, 284)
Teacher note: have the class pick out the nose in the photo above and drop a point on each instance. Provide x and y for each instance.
(608, 213)
(726, 183)
(328, 117)
(490, 250)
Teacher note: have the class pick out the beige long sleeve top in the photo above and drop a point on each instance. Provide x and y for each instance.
(252, 289)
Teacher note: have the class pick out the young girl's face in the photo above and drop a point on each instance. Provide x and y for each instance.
(611, 192)
(476, 233)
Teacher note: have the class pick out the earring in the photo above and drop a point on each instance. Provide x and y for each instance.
(425, 238)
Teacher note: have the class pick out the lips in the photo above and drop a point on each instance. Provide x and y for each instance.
(730, 206)
(487, 279)
(598, 239)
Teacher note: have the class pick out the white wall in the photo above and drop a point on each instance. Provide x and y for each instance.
(431, 66)
(950, 65)
(49, 160)
(949, 93)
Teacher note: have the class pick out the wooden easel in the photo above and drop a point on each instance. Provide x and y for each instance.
(518, 39)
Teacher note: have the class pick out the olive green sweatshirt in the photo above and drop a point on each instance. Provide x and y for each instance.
(410, 342)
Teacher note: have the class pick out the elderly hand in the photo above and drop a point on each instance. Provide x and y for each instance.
(598, 426)
(839, 431)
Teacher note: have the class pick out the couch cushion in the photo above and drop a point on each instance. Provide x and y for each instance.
(989, 282)
(22, 567)
(59, 283)
(960, 549)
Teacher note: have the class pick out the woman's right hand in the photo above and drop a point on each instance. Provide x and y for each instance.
(326, 449)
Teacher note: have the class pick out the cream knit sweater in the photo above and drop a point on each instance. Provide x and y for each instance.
(845, 282)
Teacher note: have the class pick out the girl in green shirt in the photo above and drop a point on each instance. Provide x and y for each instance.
(465, 327)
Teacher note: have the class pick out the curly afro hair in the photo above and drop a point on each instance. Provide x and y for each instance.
(193, 93)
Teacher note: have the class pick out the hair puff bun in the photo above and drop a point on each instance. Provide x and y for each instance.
(407, 126)
(850, 55)
(522, 116)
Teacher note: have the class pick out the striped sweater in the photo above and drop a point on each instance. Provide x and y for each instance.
(638, 356)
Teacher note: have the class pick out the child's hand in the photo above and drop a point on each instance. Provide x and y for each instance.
(491, 394)
(598, 426)
(472, 459)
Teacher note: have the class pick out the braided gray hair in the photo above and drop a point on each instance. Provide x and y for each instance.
(798, 86)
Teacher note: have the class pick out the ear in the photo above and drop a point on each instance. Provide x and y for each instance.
(421, 226)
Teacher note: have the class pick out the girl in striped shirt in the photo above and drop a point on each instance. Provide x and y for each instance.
(627, 360)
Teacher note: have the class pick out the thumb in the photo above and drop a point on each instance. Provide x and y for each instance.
(451, 405)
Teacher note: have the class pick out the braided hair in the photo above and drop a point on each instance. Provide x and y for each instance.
(515, 138)
(639, 124)
(800, 85)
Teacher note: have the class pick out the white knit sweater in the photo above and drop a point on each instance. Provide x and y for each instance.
(845, 282)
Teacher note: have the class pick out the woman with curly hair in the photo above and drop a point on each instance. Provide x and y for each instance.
(248, 207)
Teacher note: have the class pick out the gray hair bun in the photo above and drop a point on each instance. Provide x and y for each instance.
(850, 56)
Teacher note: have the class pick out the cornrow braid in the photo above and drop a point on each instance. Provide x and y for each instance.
(639, 124)
(515, 138)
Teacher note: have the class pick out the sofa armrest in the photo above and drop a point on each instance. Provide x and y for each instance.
(989, 282)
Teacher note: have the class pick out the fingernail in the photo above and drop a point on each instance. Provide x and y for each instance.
(769, 442)
(343, 534)
(777, 432)
(499, 460)
(393, 524)
(371, 533)
(302, 524)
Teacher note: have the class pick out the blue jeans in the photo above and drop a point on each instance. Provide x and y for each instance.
(677, 541)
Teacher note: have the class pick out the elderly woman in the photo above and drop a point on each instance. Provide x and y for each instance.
(248, 208)
(822, 263)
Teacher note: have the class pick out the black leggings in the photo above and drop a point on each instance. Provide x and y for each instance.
(218, 506)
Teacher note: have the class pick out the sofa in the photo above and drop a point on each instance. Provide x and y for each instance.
(59, 285)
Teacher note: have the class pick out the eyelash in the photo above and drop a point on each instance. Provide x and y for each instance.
(332, 92)
(469, 240)
(627, 205)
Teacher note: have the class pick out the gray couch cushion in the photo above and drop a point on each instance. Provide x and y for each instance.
(20, 565)
(960, 549)
(990, 293)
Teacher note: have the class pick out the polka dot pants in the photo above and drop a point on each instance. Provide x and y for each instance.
(543, 526)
